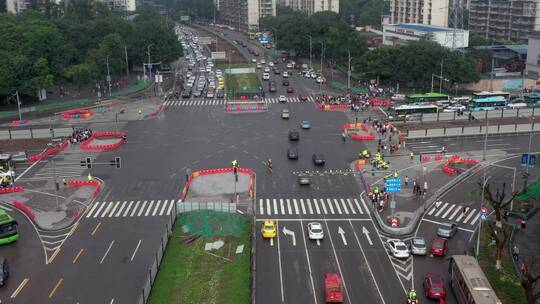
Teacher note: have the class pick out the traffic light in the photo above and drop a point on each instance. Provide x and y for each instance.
(86, 163)
(116, 162)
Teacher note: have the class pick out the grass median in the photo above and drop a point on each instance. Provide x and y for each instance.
(242, 83)
(189, 274)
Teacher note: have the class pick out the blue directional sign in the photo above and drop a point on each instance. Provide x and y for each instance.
(532, 160)
(483, 217)
(264, 38)
(393, 185)
(524, 159)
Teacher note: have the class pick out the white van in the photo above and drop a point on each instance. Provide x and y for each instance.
(517, 105)
(398, 97)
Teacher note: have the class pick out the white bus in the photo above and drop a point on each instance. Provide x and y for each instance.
(469, 282)
(413, 111)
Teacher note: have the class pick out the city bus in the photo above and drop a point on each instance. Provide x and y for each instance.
(469, 282)
(410, 112)
(486, 94)
(427, 98)
(488, 103)
(532, 99)
(8, 228)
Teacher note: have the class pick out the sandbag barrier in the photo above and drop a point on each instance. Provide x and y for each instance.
(218, 171)
(246, 108)
(25, 209)
(82, 183)
(11, 189)
(44, 154)
(86, 145)
(456, 159)
(361, 126)
(77, 113)
(153, 114)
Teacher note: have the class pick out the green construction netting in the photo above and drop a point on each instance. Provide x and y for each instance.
(533, 192)
(209, 223)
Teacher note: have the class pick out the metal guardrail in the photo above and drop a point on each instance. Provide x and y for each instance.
(31, 133)
(500, 129)
(154, 268)
(187, 206)
(449, 116)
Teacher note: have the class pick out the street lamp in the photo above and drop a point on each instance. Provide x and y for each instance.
(349, 72)
(322, 55)
(531, 120)
(149, 62)
(310, 50)
(481, 206)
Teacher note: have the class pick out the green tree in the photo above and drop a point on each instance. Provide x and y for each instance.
(111, 50)
(42, 76)
(477, 39)
(80, 74)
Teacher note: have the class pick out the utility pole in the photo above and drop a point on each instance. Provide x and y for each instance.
(149, 62)
(492, 73)
(485, 139)
(108, 76)
(349, 71)
(18, 105)
(322, 54)
(441, 77)
(481, 206)
(127, 64)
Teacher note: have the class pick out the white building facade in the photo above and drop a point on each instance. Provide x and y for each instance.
(532, 68)
(311, 7)
(399, 34)
(431, 12)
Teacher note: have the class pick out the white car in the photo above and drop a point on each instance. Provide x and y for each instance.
(397, 248)
(285, 74)
(315, 231)
(263, 61)
(270, 63)
(254, 60)
(267, 69)
(266, 76)
(258, 65)
(313, 75)
(455, 108)
(320, 79)
(289, 65)
(282, 98)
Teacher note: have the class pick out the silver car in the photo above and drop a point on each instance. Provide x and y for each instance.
(447, 230)
(418, 246)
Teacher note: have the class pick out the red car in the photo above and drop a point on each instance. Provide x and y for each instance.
(290, 90)
(302, 97)
(439, 246)
(434, 286)
(333, 289)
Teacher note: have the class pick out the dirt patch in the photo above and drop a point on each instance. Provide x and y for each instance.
(224, 46)
(16, 145)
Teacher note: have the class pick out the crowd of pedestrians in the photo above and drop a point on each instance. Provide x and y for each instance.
(80, 135)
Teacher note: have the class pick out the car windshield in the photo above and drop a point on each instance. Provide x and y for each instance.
(316, 230)
(268, 227)
(446, 226)
(436, 281)
(419, 243)
(401, 247)
(438, 244)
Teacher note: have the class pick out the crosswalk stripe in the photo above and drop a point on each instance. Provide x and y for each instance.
(358, 205)
(448, 211)
(164, 206)
(171, 205)
(433, 209)
(288, 206)
(295, 206)
(261, 209)
(268, 206)
(99, 210)
(92, 210)
(121, 208)
(149, 208)
(109, 206)
(135, 208)
(157, 208)
(303, 207)
(441, 209)
(462, 214)
(282, 206)
(275, 206)
(469, 216)
(475, 218)
(309, 206)
(330, 206)
(351, 206)
(454, 214)
(344, 206)
(142, 208)
(317, 206)
(337, 206)
(114, 209)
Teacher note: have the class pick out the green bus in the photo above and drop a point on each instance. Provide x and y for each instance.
(427, 98)
(8, 228)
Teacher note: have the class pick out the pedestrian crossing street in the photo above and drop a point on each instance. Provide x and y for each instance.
(454, 213)
(221, 102)
(323, 206)
(113, 209)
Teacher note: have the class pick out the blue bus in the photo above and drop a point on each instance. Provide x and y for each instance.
(532, 99)
(488, 103)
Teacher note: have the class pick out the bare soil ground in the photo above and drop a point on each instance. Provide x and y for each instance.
(16, 145)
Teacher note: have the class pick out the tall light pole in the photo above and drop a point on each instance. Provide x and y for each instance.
(310, 50)
(485, 140)
(349, 71)
(108, 76)
(531, 120)
(481, 206)
(322, 55)
(441, 77)
(149, 62)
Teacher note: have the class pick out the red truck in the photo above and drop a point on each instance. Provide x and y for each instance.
(333, 288)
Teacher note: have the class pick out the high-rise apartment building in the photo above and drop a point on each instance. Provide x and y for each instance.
(430, 12)
(245, 14)
(311, 7)
(19, 6)
(533, 56)
(504, 19)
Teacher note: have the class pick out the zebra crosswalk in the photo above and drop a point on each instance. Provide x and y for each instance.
(131, 208)
(312, 206)
(454, 213)
(221, 102)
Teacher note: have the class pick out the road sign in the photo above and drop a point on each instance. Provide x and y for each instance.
(393, 185)
(185, 18)
(263, 39)
(524, 159)
(483, 217)
(394, 222)
(205, 40)
(219, 55)
(532, 160)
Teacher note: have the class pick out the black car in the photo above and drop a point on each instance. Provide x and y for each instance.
(220, 93)
(292, 153)
(277, 71)
(294, 135)
(318, 159)
(186, 94)
(285, 82)
(271, 86)
(4, 271)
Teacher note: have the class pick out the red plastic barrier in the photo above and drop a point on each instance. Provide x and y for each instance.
(426, 158)
(77, 113)
(44, 154)
(87, 146)
(377, 102)
(438, 157)
(11, 189)
(217, 171)
(24, 209)
(81, 183)
(22, 122)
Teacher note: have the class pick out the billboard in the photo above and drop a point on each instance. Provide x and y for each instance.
(512, 85)
(205, 40)
(219, 55)
(185, 18)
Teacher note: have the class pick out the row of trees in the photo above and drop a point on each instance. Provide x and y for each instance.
(364, 12)
(39, 51)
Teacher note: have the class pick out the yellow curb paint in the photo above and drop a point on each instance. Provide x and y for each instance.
(18, 290)
(56, 287)
(78, 255)
(51, 259)
(73, 229)
(95, 229)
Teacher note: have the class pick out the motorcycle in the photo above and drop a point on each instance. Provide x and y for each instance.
(412, 301)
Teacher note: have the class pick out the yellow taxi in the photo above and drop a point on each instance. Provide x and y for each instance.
(268, 229)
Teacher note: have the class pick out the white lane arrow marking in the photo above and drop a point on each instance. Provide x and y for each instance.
(366, 233)
(342, 233)
(271, 241)
(291, 233)
(318, 242)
